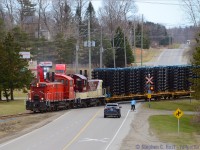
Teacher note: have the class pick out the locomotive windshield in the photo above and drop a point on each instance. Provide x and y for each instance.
(60, 80)
(60, 71)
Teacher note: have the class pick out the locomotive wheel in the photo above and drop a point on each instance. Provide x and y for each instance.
(84, 105)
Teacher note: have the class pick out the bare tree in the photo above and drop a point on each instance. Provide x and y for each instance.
(114, 13)
(2, 13)
(192, 8)
(45, 5)
(62, 15)
(10, 12)
(44, 15)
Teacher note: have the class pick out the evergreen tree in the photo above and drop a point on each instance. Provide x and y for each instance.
(90, 14)
(67, 14)
(119, 49)
(2, 29)
(196, 70)
(59, 47)
(2, 57)
(27, 8)
(2, 33)
(68, 53)
(95, 36)
(146, 40)
(108, 53)
(65, 49)
(16, 75)
(21, 38)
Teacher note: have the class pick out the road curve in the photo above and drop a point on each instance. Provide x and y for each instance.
(170, 57)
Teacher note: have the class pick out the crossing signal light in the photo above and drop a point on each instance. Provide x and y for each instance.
(151, 88)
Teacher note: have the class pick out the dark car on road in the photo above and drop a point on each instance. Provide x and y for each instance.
(112, 109)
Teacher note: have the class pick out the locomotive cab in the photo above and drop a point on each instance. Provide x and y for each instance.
(80, 83)
(68, 83)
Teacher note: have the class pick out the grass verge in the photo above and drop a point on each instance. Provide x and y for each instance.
(165, 127)
(19, 93)
(147, 54)
(12, 107)
(184, 105)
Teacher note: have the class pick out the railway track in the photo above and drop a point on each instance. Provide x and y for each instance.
(5, 117)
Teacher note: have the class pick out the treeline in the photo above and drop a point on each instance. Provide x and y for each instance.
(57, 29)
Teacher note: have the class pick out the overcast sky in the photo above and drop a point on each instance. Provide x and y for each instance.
(167, 12)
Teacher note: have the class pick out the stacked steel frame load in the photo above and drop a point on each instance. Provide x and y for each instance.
(173, 78)
(125, 81)
(178, 78)
(142, 81)
(188, 76)
(181, 78)
(116, 82)
(122, 81)
(129, 81)
(160, 79)
(108, 79)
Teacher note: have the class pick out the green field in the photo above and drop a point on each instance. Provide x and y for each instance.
(184, 105)
(12, 107)
(19, 94)
(165, 127)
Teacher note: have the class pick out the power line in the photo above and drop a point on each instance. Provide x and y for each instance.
(160, 3)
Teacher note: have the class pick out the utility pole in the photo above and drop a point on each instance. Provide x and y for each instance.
(39, 17)
(101, 49)
(125, 59)
(131, 39)
(77, 45)
(134, 42)
(89, 45)
(141, 39)
(114, 51)
(77, 48)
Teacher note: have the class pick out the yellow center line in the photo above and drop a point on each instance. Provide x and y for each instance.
(81, 131)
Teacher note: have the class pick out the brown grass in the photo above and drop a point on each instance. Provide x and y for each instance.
(146, 54)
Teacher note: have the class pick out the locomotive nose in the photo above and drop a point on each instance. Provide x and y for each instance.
(36, 98)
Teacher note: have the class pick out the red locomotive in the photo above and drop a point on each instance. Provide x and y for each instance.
(59, 91)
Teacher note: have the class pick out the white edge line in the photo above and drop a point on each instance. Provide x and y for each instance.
(118, 130)
(2, 145)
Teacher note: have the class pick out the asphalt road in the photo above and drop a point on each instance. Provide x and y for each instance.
(78, 129)
(170, 57)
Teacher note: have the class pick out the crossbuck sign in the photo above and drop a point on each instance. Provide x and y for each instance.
(149, 80)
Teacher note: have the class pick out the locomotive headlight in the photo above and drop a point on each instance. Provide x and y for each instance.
(37, 84)
(42, 98)
(29, 98)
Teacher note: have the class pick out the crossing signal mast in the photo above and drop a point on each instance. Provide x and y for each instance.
(149, 83)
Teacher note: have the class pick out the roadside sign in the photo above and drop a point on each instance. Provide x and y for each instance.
(25, 55)
(149, 96)
(46, 63)
(178, 113)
